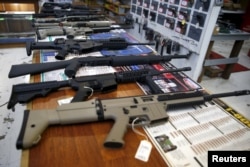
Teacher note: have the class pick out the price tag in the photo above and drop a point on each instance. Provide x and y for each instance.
(65, 101)
(143, 151)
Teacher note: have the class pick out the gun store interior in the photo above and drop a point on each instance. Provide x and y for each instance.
(124, 82)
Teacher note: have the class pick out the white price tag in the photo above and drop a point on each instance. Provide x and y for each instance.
(143, 151)
(64, 101)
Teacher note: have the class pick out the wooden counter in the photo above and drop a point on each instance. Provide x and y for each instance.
(82, 144)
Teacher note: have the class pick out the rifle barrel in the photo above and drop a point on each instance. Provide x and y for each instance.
(220, 95)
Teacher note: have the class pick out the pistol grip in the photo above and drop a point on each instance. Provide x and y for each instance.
(81, 95)
(61, 54)
(115, 136)
(28, 48)
(70, 70)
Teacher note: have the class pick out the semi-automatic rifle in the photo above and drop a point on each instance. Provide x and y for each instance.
(54, 5)
(72, 65)
(80, 46)
(90, 24)
(71, 32)
(58, 13)
(87, 10)
(68, 18)
(85, 85)
(148, 109)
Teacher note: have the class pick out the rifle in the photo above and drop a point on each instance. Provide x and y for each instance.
(80, 46)
(72, 65)
(53, 5)
(87, 10)
(74, 31)
(148, 108)
(90, 24)
(68, 18)
(85, 85)
(58, 13)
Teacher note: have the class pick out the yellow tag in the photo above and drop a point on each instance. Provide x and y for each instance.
(183, 22)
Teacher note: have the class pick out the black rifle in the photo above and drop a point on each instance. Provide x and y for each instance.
(71, 11)
(64, 13)
(68, 18)
(85, 85)
(91, 24)
(72, 65)
(65, 46)
(53, 5)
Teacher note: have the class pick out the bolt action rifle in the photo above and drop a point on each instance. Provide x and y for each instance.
(71, 32)
(80, 46)
(72, 65)
(147, 108)
(85, 85)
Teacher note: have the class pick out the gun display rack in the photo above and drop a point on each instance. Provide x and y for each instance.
(190, 23)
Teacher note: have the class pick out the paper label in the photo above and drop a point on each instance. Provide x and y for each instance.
(143, 151)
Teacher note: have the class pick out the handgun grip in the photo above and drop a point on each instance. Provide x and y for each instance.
(81, 95)
(115, 136)
(28, 47)
(70, 70)
(152, 85)
(61, 54)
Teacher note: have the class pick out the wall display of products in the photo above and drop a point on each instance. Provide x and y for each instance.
(185, 20)
(190, 23)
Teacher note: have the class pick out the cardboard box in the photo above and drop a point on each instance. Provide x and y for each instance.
(213, 71)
